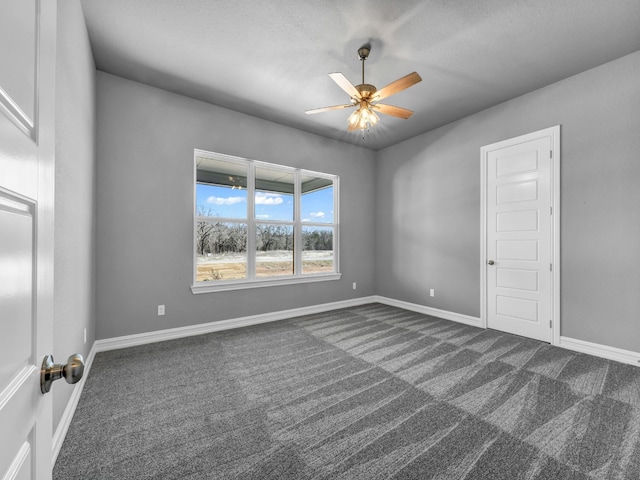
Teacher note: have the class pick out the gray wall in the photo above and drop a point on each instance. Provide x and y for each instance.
(428, 193)
(74, 263)
(145, 202)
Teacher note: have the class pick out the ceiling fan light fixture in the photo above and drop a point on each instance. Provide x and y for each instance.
(354, 118)
(363, 118)
(364, 95)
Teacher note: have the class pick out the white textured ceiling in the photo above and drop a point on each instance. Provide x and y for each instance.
(271, 59)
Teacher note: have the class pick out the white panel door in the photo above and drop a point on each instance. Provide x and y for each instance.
(27, 74)
(519, 236)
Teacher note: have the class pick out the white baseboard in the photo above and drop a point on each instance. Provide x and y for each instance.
(414, 307)
(67, 415)
(604, 351)
(173, 333)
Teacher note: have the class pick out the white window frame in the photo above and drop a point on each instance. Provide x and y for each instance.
(252, 281)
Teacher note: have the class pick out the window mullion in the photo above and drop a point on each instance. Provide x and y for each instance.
(251, 224)
(297, 227)
(336, 224)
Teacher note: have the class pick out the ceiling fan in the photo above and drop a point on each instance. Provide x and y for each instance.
(366, 97)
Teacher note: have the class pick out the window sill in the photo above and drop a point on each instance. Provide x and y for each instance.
(207, 287)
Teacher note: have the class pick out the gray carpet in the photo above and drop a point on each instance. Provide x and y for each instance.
(370, 392)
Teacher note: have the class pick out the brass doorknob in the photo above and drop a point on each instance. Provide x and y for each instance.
(490, 262)
(50, 372)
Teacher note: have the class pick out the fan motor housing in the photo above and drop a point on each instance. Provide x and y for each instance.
(366, 90)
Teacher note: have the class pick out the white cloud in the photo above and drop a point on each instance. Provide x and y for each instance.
(268, 199)
(262, 217)
(317, 214)
(224, 201)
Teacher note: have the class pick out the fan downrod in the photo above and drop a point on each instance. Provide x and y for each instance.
(366, 90)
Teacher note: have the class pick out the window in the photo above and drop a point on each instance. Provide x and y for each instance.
(260, 224)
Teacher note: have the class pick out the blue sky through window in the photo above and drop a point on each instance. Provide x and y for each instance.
(317, 206)
(227, 202)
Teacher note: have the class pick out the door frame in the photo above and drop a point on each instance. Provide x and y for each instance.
(554, 134)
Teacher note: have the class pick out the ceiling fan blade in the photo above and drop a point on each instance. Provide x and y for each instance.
(326, 109)
(397, 86)
(345, 84)
(393, 111)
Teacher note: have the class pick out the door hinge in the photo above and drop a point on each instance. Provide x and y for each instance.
(551, 267)
(550, 210)
(550, 153)
(550, 323)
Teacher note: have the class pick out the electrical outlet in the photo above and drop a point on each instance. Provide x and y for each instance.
(160, 310)
(354, 285)
(432, 292)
